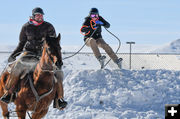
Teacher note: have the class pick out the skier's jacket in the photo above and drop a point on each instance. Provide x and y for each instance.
(30, 38)
(97, 33)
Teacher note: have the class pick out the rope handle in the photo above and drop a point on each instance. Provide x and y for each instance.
(91, 24)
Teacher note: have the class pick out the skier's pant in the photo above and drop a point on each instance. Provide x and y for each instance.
(95, 43)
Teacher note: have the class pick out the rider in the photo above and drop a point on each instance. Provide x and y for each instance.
(30, 39)
(94, 39)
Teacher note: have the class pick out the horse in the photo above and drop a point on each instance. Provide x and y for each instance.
(38, 88)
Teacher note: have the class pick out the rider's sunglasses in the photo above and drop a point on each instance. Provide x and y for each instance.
(38, 15)
(94, 16)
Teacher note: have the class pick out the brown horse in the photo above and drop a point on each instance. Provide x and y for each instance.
(38, 88)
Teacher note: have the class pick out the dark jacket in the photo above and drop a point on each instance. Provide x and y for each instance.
(97, 33)
(30, 38)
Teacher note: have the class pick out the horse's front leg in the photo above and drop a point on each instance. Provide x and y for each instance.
(21, 111)
(5, 111)
(39, 115)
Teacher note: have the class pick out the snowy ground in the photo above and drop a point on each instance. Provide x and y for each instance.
(112, 93)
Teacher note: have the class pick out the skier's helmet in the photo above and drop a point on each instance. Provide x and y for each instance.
(94, 11)
(37, 10)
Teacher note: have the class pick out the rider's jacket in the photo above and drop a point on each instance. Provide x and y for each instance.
(30, 38)
(89, 24)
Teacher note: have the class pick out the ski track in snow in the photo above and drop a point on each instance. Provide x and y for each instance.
(113, 94)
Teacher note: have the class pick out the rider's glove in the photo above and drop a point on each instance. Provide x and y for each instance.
(59, 64)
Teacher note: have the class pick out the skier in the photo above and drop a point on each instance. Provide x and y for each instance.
(30, 39)
(93, 38)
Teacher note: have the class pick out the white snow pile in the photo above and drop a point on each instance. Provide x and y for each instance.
(118, 94)
(173, 47)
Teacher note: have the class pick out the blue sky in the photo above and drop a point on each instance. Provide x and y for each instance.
(142, 21)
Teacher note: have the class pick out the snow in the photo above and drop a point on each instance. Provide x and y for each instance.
(117, 94)
(111, 93)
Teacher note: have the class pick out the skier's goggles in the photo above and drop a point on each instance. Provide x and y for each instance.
(94, 15)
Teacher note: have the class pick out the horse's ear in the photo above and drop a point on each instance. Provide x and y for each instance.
(59, 37)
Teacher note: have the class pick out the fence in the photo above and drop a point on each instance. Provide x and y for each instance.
(139, 61)
(151, 61)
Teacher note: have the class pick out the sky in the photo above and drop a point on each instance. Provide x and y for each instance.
(153, 22)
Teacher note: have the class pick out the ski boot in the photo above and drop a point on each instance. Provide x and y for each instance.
(119, 62)
(101, 60)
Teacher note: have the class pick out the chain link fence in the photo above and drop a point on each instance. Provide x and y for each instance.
(138, 61)
(150, 61)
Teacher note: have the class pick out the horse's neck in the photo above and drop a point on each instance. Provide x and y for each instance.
(46, 63)
(44, 66)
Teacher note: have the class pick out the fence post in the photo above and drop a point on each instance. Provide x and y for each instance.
(130, 43)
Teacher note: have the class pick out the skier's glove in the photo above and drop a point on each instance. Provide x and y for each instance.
(99, 23)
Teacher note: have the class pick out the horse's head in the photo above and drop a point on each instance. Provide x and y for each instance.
(52, 47)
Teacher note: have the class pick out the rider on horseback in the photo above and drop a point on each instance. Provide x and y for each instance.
(31, 40)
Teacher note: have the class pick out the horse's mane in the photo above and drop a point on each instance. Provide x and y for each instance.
(52, 42)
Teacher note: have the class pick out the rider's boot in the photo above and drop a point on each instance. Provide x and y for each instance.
(59, 103)
(10, 89)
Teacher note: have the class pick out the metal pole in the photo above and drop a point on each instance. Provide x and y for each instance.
(130, 50)
(130, 58)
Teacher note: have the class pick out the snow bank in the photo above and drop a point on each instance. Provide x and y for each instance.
(115, 94)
